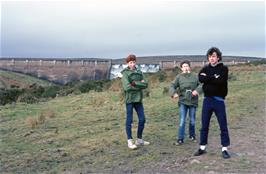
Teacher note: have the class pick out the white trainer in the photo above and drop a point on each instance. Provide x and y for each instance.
(141, 142)
(131, 145)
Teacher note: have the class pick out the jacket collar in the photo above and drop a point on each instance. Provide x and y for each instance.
(217, 64)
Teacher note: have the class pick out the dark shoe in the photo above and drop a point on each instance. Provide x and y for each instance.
(225, 154)
(200, 152)
(179, 142)
(192, 138)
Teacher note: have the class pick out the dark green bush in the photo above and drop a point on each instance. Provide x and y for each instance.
(14, 86)
(97, 85)
(176, 70)
(161, 76)
(258, 62)
(165, 90)
(36, 90)
(38, 93)
(66, 91)
(50, 91)
(28, 98)
(71, 84)
(85, 86)
(9, 95)
(232, 77)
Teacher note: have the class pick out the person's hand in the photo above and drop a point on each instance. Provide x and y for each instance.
(195, 93)
(203, 74)
(133, 83)
(174, 97)
(142, 81)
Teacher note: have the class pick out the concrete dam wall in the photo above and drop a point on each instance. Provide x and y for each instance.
(59, 71)
(62, 71)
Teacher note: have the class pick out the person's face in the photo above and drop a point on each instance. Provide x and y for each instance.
(185, 68)
(131, 64)
(213, 59)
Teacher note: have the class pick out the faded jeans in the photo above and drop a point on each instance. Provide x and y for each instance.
(183, 110)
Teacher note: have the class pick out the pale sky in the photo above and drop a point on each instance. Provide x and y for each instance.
(116, 28)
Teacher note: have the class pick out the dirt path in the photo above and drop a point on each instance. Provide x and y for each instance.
(247, 150)
(249, 135)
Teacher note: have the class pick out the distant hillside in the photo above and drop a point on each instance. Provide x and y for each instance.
(157, 59)
(11, 79)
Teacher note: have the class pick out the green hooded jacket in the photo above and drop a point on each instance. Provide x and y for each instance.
(132, 85)
(183, 85)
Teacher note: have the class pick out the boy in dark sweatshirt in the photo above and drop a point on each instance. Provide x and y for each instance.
(214, 77)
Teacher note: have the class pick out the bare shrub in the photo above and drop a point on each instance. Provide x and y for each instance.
(33, 122)
(116, 85)
(98, 102)
(165, 90)
(48, 113)
(41, 119)
(146, 92)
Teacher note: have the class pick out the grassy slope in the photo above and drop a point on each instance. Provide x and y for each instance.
(22, 79)
(85, 133)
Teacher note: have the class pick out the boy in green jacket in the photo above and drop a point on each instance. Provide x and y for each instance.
(186, 86)
(133, 82)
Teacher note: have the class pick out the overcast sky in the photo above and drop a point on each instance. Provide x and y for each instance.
(115, 28)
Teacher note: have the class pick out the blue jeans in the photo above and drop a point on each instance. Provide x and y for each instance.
(129, 119)
(183, 109)
(209, 106)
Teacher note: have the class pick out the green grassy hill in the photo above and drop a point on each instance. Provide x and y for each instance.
(8, 79)
(86, 134)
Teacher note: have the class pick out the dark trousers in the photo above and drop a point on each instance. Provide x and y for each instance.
(129, 119)
(209, 106)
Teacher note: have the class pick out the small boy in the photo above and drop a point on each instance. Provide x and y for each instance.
(188, 87)
(134, 82)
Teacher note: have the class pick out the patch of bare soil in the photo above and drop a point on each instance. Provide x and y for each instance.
(247, 150)
(12, 82)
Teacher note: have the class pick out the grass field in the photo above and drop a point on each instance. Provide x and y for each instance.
(8, 78)
(85, 133)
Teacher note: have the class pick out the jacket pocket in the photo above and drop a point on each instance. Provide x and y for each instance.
(188, 95)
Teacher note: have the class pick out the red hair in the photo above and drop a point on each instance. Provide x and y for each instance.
(131, 57)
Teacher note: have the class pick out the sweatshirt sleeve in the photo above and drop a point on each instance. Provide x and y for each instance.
(173, 86)
(204, 78)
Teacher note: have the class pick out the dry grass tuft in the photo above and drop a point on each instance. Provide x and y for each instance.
(48, 113)
(99, 101)
(41, 119)
(116, 85)
(33, 122)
